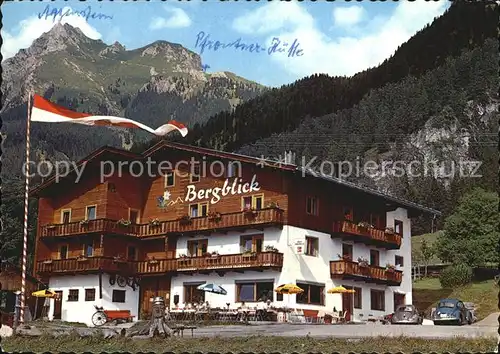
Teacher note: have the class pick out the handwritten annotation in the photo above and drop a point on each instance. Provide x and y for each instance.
(87, 13)
(204, 42)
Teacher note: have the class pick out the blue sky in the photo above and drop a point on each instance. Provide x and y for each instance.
(337, 38)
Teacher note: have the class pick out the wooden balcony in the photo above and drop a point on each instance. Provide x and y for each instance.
(81, 266)
(92, 226)
(232, 262)
(158, 266)
(230, 221)
(371, 274)
(371, 236)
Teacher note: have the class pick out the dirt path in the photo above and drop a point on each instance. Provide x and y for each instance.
(489, 321)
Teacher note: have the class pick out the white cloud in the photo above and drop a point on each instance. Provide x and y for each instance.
(340, 56)
(178, 19)
(348, 16)
(31, 28)
(272, 17)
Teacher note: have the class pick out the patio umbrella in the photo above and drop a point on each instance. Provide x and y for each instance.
(288, 289)
(212, 288)
(340, 290)
(44, 293)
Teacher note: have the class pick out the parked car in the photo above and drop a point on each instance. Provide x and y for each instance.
(407, 314)
(451, 311)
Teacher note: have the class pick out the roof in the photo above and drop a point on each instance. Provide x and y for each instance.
(7, 265)
(243, 158)
(408, 204)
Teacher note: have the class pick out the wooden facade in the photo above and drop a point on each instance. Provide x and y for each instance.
(129, 233)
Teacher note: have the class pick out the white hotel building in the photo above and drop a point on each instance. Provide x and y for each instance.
(120, 242)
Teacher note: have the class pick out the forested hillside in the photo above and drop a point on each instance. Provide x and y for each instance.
(448, 115)
(465, 25)
(435, 97)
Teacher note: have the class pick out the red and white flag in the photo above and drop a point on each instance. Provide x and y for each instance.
(48, 112)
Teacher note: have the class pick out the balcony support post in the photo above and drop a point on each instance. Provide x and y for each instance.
(101, 245)
(100, 283)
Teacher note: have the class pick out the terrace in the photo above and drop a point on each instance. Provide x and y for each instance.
(213, 223)
(344, 269)
(233, 262)
(368, 235)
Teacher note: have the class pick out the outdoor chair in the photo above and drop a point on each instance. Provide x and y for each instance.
(342, 318)
(320, 317)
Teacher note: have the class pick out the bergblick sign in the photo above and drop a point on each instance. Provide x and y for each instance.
(215, 194)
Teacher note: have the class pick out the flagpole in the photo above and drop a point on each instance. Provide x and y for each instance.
(26, 195)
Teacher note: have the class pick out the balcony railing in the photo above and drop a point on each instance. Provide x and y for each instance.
(156, 266)
(352, 270)
(367, 235)
(84, 265)
(232, 261)
(262, 217)
(91, 226)
(108, 264)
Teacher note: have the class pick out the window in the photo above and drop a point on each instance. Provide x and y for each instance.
(348, 214)
(252, 291)
(63, 252)
(73, 295)
(252, 243)
(195, 174)
(312, 295)
(347, 251)
(200, 209)
(312, 206)
(65, 216)
(377, 299)
(398, 261)
(91, 212)
(398, 227)
(131, 253)
(197, 248)
(192, 295)
(374, 258)
(118, 296)
(279, 297)
(253, 202)
(133, 216)
(358, 298)
(169, 179)
(88, 249)
(234, 169)
(312, 246)
(89, 294)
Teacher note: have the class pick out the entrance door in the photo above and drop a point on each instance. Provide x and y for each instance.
(399, 299)
(347, 305)
(58, 305)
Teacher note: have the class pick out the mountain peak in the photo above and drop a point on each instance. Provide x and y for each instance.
(63, 31)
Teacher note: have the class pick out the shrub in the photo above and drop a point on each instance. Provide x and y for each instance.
(456, 275)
